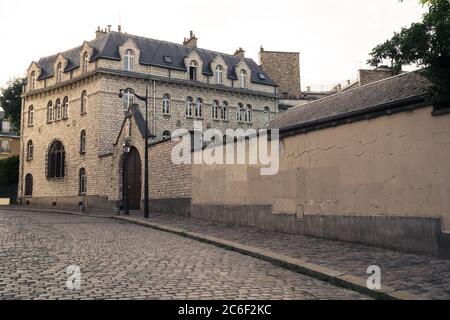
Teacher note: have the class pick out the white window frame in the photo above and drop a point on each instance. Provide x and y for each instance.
(166, 104)
(219, 74)
(129, 57)
(224, 111)
(243, 78)
(128, 98)
(198, 108)
(189, 103)
(30, 115)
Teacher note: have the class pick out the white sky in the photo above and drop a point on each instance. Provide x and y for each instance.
(334, 37)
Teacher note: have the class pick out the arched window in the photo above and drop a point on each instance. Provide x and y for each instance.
(33, 81)
(215, 109)
(224, 111)
(59, 73)
(30, 115)
(84, 102)
(58, 109)
(50, 113)
(219, 74)
(248, 114)
(240, 113)
(82, 181)
(198, 107)
(267, 113)
(189, 103)
(83, 141)
(65, 108)
(127, 99)
(56, 160)
(30, 150)
(166, 135)
(166, 104)
(129, 60)
(243, 78)
(85, 62)
(193, 70)
(28, 185)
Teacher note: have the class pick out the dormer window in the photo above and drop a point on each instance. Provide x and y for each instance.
(33, 81)
(167, 59)
(219, 75)
(129, 60)
(243, 78)
(193, 70)
(261, 76)
(59, 73)
(85, 62)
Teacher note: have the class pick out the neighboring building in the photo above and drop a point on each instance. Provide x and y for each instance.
(364, 77)
(72, 114)
(9, 140)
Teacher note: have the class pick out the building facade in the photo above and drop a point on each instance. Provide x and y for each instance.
(9, 141)
(72, 112)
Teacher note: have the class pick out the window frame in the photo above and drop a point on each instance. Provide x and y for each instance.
(128, 99)
(193, 71)
(30, 150)
(166, 104)
(33, 80)
(198, 112)
(215, 110)
(65, 108)
(83, 142)
(224, 111)
(129, 57)
(28, 190)
(31, 116)
(243, 78)
(85, 62)
(84, 102)
(219, 74)
(189, 106)
(50, 112)
(56, 159)
(82, 181)
(59, 72)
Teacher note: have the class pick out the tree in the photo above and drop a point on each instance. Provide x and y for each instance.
(426, 44)
(11, 102)
(9, 170)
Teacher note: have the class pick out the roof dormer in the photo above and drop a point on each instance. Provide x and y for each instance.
(130, 55)
(86, 54)
(243, 73)
(59, 67)
(33, 74)
(194, 65)
(220, 70)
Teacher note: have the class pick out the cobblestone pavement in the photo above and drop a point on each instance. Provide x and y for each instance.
(426, 276)
(124, 261)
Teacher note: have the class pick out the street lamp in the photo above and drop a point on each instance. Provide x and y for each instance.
(145, 99)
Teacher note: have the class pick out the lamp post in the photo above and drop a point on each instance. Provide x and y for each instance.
(145, 99)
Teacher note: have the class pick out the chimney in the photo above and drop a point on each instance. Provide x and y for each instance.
(308, 89)
(191, 41)
(240, 53)
(119, 28)
(99, 33)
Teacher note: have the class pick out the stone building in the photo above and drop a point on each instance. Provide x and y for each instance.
(9, 140)
(72, 112)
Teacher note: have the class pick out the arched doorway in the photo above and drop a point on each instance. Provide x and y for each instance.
(132, 179)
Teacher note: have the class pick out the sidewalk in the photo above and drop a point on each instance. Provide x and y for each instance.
(409, 276)
(403, 275)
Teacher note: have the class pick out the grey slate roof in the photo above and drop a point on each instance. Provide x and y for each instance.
(152, 53)
(365, 98)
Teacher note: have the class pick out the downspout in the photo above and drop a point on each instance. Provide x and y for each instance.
(154, 107)
(21, 157)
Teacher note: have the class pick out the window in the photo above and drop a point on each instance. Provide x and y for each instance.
(50, 114)
(219, 74)
(129, 60)
(28, 185)
(65, 108)
(5, 126)
(189, 103)
(58, 109)
(240, 113)
(215, 109)
(267, 113)
(166, 104)
(30, 115)
(33, 81)
(82, 181)
(30, 150)
(56, 160)
(166, 135)
(224, 111)
(127, 100)
(243, 78)
(198, 108)
(193, 71)
(59, 73)
(248, 114)
(5, 146)
(85, 62)
(84, 102)
(83, 142)
(167, 59)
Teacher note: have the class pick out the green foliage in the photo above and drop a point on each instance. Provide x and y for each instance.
(11, 102)
(9, 170)
(426, 44)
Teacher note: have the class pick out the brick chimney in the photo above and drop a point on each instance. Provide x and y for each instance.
(191, 41)
(240, 53)
(99, 32)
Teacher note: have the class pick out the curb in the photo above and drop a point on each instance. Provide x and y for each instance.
(325, 274)
(331, 276)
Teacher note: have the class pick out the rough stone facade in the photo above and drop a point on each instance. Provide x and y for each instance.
(284, 68)
(104, 114)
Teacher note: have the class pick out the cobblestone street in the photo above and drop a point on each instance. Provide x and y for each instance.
(122, 261)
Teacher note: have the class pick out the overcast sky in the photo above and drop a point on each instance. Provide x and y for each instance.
(333, 37)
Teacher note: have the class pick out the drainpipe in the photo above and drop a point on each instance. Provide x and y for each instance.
(154, 107)
(22, 154)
